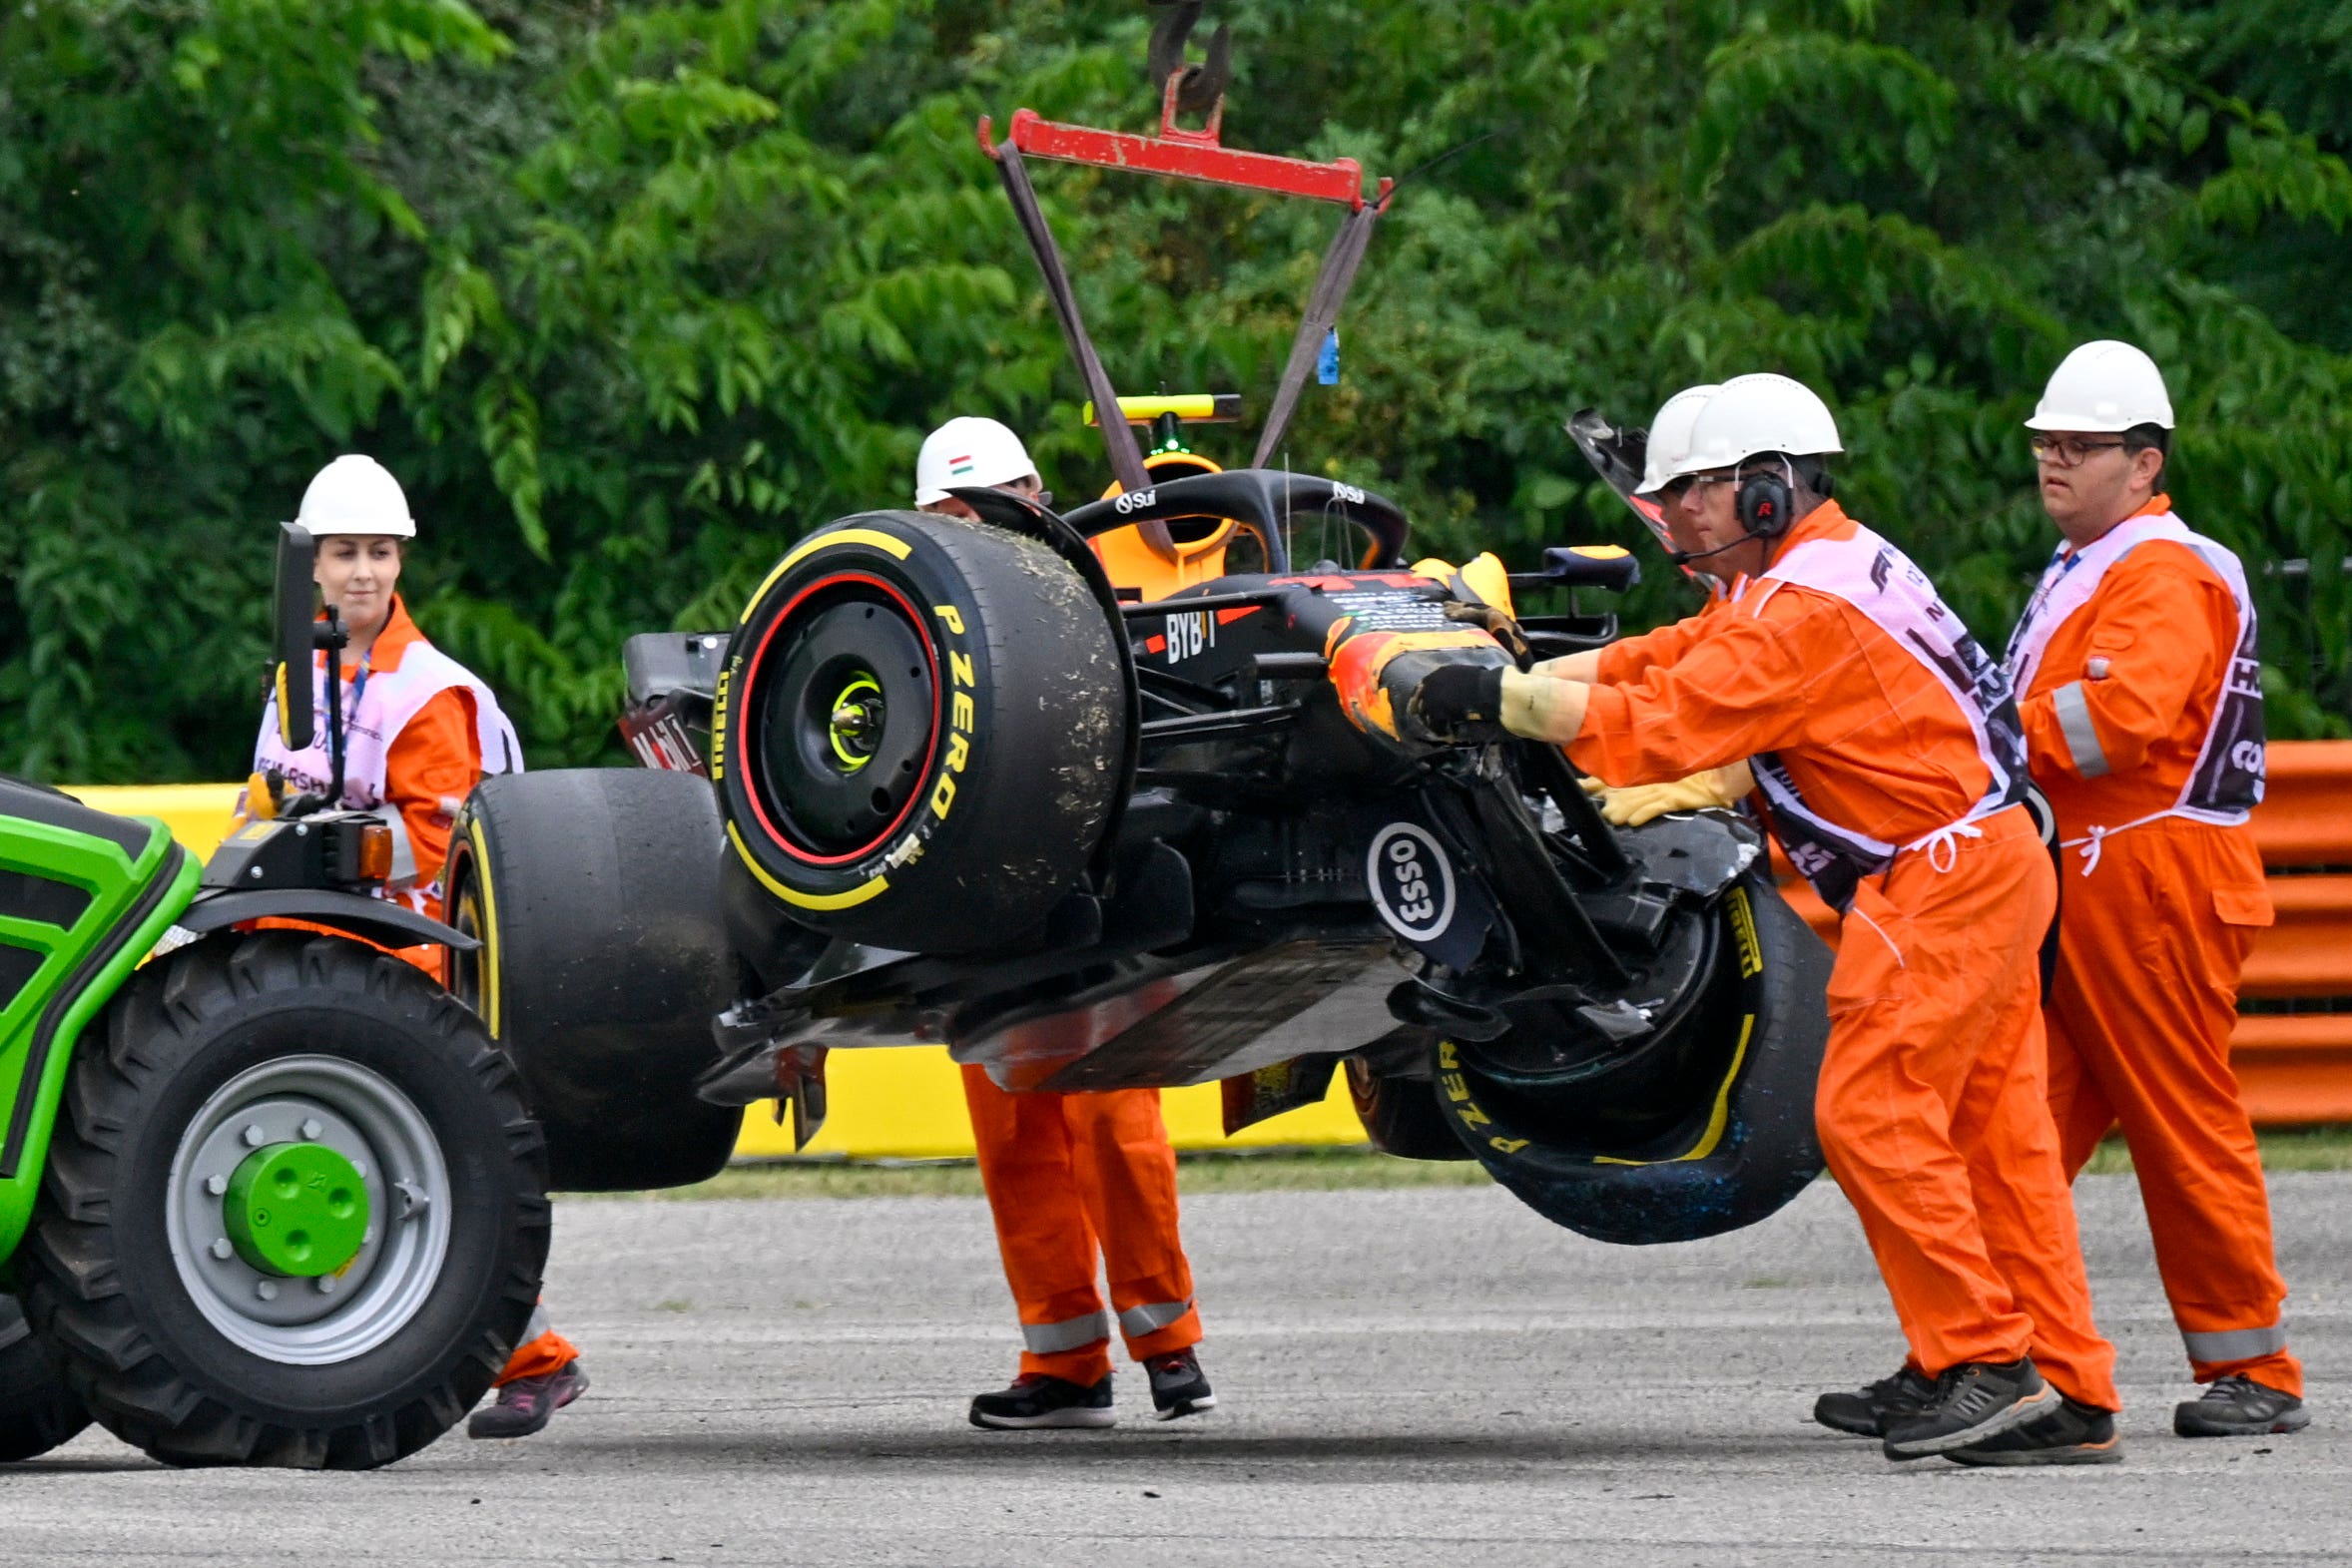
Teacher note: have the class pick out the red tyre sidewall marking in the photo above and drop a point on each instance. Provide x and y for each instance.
(750, 682)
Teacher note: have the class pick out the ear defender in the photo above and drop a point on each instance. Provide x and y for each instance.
(1764, 501)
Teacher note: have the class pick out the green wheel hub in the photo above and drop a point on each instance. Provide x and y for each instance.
(854, 722)
(295, 1209)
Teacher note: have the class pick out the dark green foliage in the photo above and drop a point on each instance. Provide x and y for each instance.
(629, 295)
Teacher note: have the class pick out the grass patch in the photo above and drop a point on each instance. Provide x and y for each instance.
(1289, 1170)
(2296, 1149)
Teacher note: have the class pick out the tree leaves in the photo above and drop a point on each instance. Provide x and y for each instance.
(632, 294)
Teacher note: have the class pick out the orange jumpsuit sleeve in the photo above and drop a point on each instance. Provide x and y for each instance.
(435, 753)
(1741, 687)
(2150, 626)
(1629, 658)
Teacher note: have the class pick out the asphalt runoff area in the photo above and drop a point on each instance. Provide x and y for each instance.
(1408, 1377)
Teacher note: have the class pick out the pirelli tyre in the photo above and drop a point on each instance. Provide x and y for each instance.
(294, 1213)
(919, 732)
(38, 1408)
(595, 893)
(1743, 1144)
(1401, 1116)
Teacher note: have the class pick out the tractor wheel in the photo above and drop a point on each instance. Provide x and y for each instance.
(38, 1410)
(920, 732)
(1726, 1156)
(294, 1213)
(595, 893)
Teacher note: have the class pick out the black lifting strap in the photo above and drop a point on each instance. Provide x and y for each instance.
(1118, 440)
(1322, 312)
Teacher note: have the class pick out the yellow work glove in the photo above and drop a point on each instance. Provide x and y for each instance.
(1635, 804)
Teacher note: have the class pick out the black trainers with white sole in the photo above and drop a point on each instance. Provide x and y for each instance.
(2239, 1407)
(1035, 1401)
(2070, 1434)
(1973, 1402)
(1867, 1411)
(1178, 1385)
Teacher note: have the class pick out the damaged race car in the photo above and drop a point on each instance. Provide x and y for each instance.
(951, 780)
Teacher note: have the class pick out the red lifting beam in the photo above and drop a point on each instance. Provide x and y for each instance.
(1185, 155)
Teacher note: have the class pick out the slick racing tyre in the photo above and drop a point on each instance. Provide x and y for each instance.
(1743, 1144)
(595, 893)
(920, 732)
(38, 1407)
(1401, 1116)
(294, 1213)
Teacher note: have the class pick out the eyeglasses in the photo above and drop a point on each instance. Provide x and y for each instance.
(1673, 490)
(2069, 451)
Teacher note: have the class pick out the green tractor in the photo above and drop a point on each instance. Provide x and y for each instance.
(267, 1196)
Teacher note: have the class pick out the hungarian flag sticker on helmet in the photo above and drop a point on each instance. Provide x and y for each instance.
(960, 465)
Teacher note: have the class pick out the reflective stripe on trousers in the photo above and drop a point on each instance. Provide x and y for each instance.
(2235, 1345)
(1071, 1334)
(1150, 1318)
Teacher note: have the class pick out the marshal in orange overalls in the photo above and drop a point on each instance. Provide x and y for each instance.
(437, 755)
(2123, 681)
(1931, 1108)
(1072, 1178)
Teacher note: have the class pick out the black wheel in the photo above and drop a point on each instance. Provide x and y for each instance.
(1401, 1116)
(38, 1407)
(920, 732)
(1737, 1141)
(604, 958)
(294, 1213)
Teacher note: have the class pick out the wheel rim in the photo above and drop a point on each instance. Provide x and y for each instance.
(843, 695)
(313, 1114)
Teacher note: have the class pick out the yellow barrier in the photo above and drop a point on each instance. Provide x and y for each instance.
(901, 1102)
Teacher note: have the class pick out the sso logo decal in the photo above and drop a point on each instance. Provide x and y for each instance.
(1412, 881)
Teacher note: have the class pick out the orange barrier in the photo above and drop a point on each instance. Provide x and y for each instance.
(2295, 1068)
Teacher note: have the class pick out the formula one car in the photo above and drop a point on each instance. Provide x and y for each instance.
(948, 780)
(266, 1196)
(957, 790)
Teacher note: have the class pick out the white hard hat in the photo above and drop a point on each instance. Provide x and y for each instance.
(1669, 436)
(1758, 413)
(969, 452)
(356, 495)
(2103, 385)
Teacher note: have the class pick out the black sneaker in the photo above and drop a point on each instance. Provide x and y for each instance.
(1973, 1402)
(1178, 1386)
(1036, 1399)
(525, 1404)
(2070, 1434)
(2239, 1407)
(1866, 1412)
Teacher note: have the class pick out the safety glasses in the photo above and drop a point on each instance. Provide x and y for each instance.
(2069, 451)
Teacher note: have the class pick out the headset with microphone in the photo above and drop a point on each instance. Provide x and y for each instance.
(1764, 503)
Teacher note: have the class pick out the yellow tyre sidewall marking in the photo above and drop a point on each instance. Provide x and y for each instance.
(889, 544)
(791, 896)
(489, 933)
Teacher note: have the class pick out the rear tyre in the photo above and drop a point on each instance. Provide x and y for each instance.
(595, 893)
(351, 1127)
(1743, 1146)
(38, 1407)
(921, 732)
(1401, 1117)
